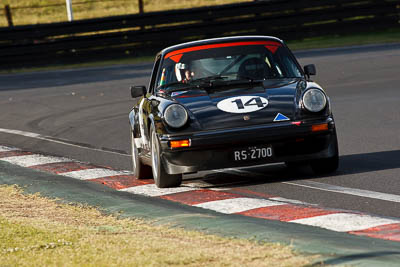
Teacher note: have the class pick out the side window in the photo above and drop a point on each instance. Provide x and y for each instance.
(154, 74)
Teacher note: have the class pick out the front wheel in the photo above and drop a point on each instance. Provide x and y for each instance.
(140, 171)
(161, 177)
(328, 165)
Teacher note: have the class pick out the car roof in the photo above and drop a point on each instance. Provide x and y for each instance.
(218, 40)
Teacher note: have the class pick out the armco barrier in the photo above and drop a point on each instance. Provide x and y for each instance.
(139, 34)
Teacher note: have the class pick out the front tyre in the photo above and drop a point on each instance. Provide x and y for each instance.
(328, 165)
(161, 177)
(140, 171)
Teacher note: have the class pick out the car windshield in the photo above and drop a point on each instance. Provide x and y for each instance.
(251, 60)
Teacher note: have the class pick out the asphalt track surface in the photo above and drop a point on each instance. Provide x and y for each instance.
(88, 108)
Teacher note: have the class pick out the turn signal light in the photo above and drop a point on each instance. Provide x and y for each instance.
(297, 123)
(319, 127)
(179, 143)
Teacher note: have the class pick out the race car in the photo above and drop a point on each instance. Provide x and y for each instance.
(229, 102)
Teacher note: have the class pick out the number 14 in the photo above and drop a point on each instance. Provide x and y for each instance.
(252, 102)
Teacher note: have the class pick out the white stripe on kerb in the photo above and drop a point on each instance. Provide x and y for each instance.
(153, 191)
(33, 160)
(345, 222)
(235, 205)
(204, 186)
(5, 149)
(94, 173)
(346, 190)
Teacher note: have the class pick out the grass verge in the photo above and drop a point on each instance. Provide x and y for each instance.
(26, 12)
(36, 231)
(329, 41)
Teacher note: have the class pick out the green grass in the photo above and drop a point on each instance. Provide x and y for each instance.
(35, 231)
(91, 64)
(33, 11)
(118, 7)
(382, 37)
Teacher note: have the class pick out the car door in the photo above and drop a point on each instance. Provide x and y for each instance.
(145, 109)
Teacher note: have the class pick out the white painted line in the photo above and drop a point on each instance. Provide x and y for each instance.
(337, 189)
(345, 222)
(153, 191)
(346, 190)
(235, 205)
(291, 201)
(18, 132)
(5, 149)
(33, 160)
(234, 171)
(205, 186)
(50, 139)
(94, 173)
(244, 172)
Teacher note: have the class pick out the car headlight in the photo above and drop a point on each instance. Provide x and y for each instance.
(175, 115)
(314, 100)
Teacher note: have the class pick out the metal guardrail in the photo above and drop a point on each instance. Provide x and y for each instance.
(139, 34)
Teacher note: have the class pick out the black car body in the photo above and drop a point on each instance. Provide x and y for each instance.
(229, 102)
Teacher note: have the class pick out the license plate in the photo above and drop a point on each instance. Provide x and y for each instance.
(253, 153)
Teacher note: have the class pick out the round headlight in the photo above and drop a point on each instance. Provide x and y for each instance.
(314, 100)
(175, 115)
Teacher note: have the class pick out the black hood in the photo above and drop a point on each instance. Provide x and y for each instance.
(246, 104)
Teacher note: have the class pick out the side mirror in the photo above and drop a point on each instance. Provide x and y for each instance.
(310, 70)
(137, 91)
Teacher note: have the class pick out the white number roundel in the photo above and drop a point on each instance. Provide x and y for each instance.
(242, 104)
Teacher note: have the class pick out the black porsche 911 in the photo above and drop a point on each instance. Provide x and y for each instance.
(229, 102)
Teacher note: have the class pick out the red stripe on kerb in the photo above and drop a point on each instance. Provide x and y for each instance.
(61, 167)
(121, 181)
(6, 154)
(388, 232)
(199, 196)
(210, 46)
(286, 212)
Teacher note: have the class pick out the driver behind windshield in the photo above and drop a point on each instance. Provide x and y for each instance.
(183, 73)
(234, 63)
(188, 76)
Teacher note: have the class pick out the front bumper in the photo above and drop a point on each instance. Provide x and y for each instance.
(214, 149)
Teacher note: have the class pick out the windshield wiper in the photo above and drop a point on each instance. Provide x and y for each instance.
(210, 78)
(248, 79)
(165, 86)
(169, 89)
(190, 82)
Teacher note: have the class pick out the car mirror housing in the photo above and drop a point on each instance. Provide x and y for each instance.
(137, 91)
(310, 70)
